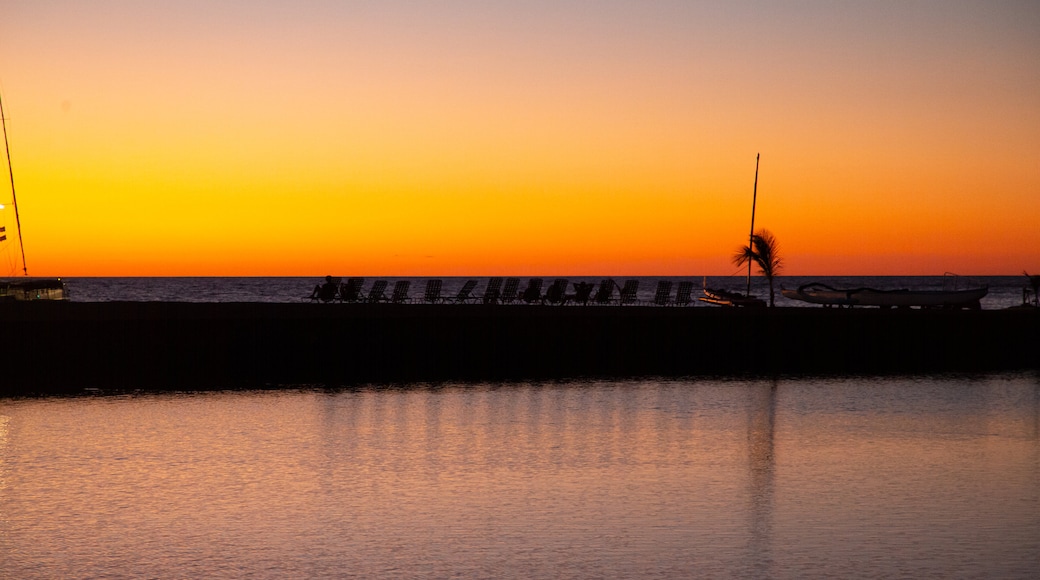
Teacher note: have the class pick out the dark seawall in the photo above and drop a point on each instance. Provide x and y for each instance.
(66, 347)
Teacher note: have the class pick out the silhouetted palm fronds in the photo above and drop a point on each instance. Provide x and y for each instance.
(764, 251)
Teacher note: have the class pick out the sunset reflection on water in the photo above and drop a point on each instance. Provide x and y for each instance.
(762, 478)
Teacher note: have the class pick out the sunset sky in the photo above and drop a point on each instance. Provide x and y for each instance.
(464, 137)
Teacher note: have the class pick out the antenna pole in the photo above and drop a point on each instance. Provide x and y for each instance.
(751, 238)
(14, 198)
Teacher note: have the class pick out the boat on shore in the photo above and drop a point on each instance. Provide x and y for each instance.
(818, 293)
(720, 297)
(28, 288)
(33, 289)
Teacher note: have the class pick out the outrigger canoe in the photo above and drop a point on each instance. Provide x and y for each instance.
(817, 293)
(726, 298)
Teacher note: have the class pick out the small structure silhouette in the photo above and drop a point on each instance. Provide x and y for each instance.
(1034, 282)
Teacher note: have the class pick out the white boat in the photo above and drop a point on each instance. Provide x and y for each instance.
(817, 293)
(720, 297)
(33, 289)
(24, 289)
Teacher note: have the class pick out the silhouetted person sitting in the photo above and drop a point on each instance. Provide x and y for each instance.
(325, 292)
(582, 292)
(555, 293)
(533, 292)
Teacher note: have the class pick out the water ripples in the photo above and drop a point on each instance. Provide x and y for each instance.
(904, 476)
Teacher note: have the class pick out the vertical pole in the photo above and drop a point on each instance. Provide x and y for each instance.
(751, 238)
(14, 199)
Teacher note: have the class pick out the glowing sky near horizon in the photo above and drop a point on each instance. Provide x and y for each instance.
(478, 138)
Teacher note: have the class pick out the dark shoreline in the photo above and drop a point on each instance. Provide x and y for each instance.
(59, 347)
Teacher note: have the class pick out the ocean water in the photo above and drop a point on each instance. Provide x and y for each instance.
(1004, 291)
(859, 477)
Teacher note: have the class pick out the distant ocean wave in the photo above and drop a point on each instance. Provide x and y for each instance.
(1004, 291)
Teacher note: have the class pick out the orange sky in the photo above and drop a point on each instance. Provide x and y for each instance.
(477, 138)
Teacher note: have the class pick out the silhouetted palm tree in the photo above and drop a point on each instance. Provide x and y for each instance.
(765, 253)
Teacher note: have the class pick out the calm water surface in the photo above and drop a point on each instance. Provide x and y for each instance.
(896, 477)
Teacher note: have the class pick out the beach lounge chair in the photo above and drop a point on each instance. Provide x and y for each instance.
(375, 293)
(684, 295)
(350, 291)
(466, 292)
(582, 293)
(493, 291)
(509, 291)
(556, 292)
(605, 293)
(664, 292)
(629, 291)
(533, 292)
(400, 293)
(433, 291)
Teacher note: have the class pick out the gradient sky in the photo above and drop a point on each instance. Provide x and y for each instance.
(467, 137)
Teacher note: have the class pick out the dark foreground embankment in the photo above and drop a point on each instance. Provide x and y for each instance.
(54, 347)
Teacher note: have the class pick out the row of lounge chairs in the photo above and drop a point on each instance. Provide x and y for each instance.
(506, 291)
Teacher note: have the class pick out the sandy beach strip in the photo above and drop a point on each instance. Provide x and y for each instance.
(66, 347)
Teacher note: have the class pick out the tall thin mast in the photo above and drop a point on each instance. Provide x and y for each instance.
(751, 238)
(14, 198)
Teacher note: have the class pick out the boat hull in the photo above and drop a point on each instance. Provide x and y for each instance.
(820, 294)
(28, 290)
(726, 298)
